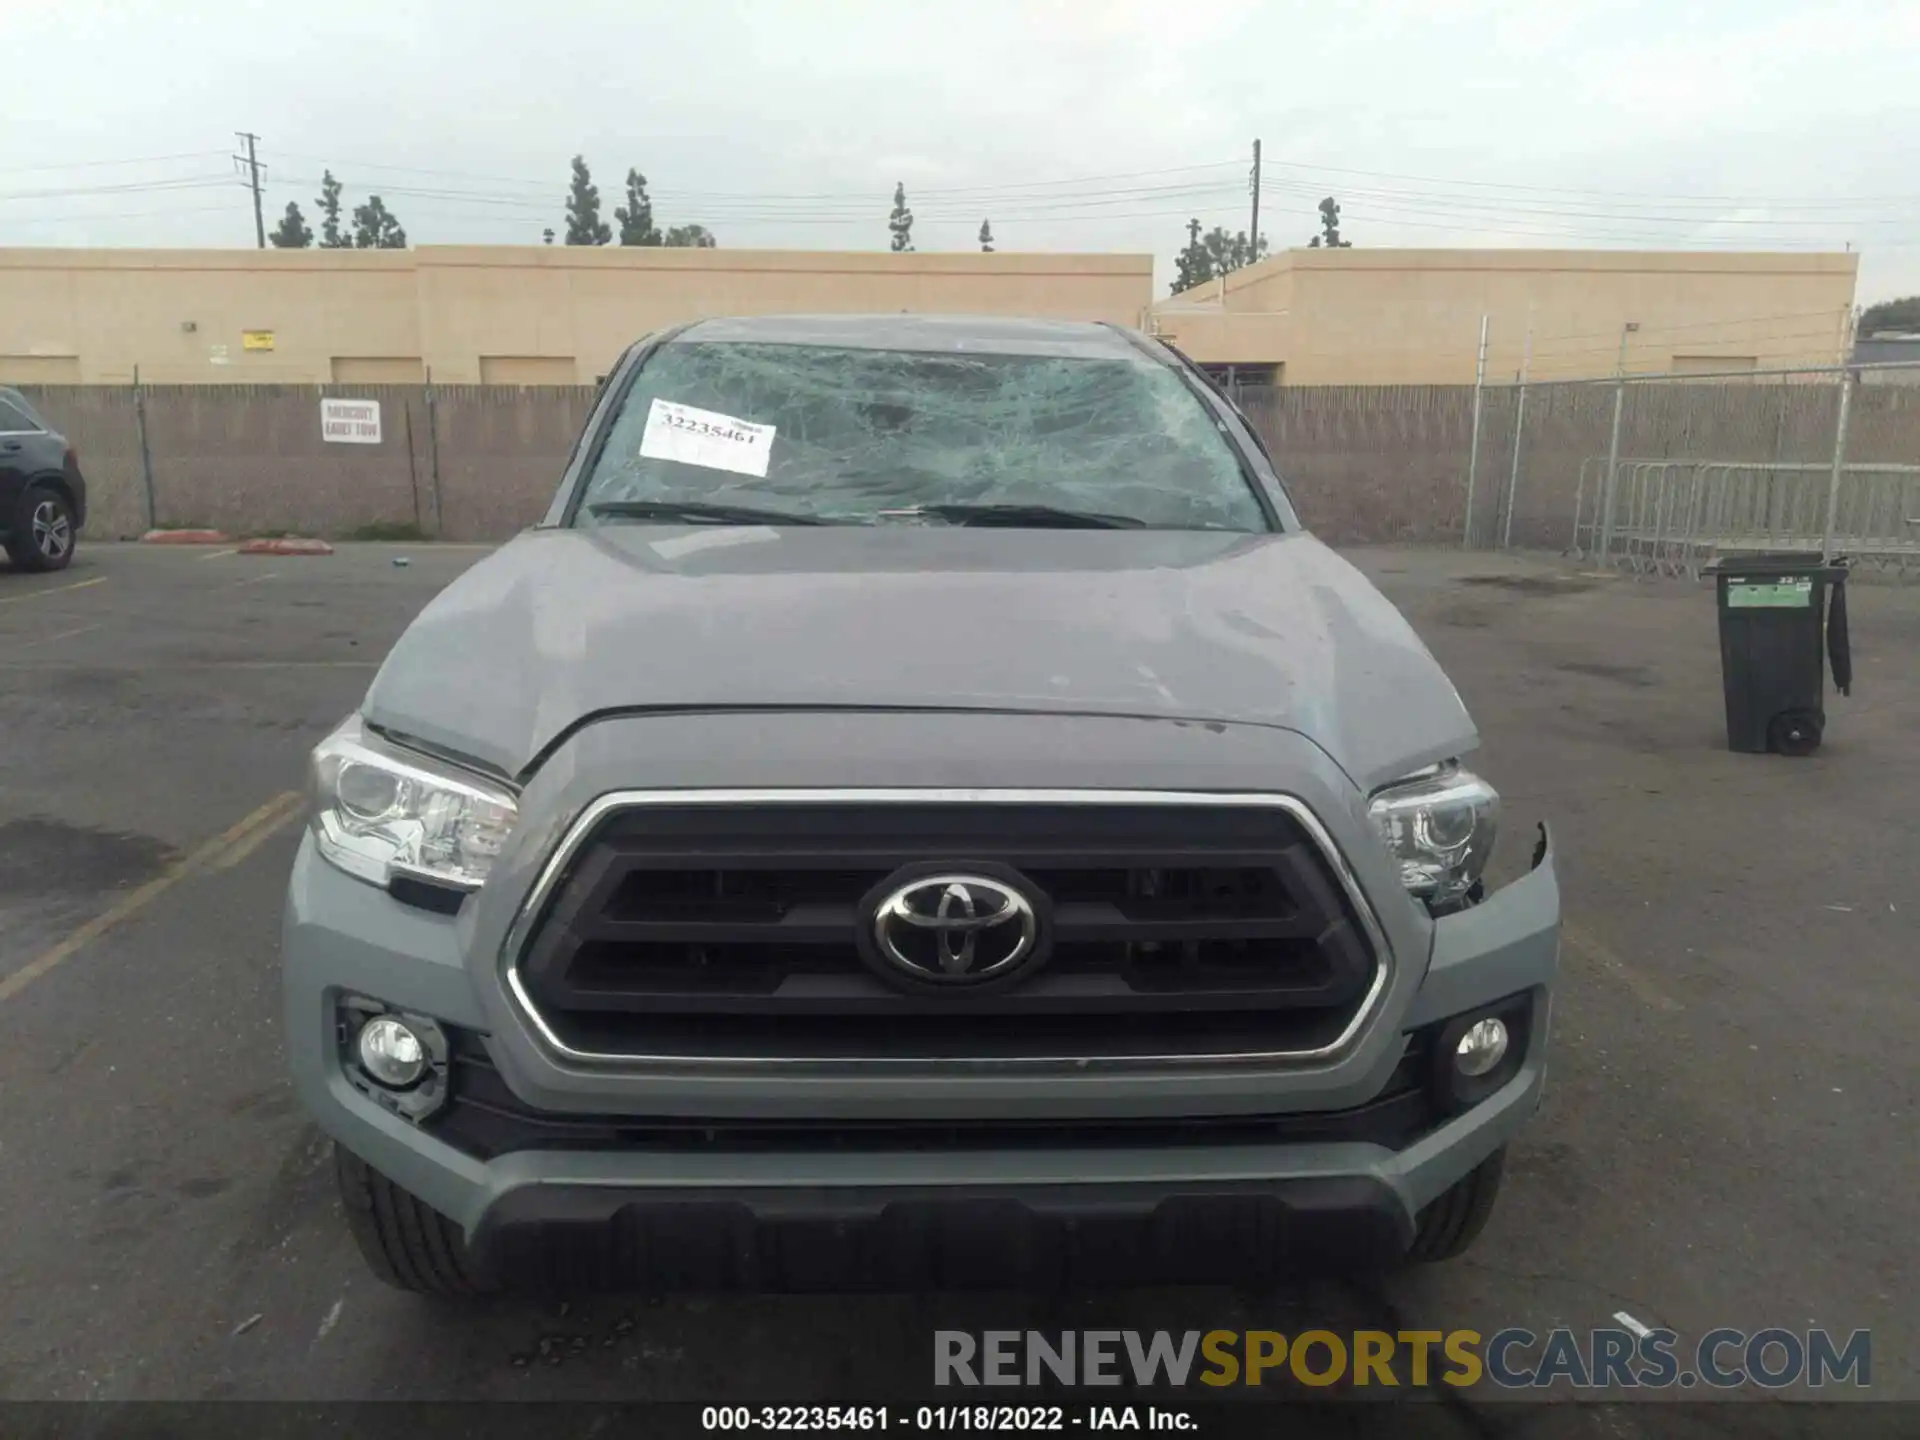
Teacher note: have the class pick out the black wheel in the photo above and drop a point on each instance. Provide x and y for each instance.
(42, 537)
(1454, 1221)
(409, 1245)
(1794, 732)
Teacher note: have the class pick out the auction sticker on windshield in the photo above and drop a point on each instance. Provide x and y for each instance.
(706, 438)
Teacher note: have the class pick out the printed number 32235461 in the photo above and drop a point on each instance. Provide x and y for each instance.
(704, 427)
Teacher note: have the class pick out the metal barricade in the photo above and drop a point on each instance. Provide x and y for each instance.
(1672, 517)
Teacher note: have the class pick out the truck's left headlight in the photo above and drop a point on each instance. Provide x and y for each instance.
(1439, 827)
(380, 811)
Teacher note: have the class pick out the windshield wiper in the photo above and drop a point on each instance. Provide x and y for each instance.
(698, 512)
(1022, 516)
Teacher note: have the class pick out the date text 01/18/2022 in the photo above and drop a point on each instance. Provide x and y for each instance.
(998, 1419)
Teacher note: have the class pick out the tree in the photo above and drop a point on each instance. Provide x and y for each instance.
(375, 228)
(691, 237)
(1228, 253)
(1210, 256)
(1903, 314)
(547, 234)
(1192, 266)
(584, 225)
(986, 237)
(332, 237)
(292, 232)
(1329, 236)
(900, 222)
(636, 216)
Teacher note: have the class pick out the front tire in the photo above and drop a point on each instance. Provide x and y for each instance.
(408, 1244)
(43, 530)
(1454, 1221)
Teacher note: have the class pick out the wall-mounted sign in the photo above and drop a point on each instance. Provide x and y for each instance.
(256, 339)
(350, 422)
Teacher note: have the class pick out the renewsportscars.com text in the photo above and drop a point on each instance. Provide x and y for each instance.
(1606, 1358)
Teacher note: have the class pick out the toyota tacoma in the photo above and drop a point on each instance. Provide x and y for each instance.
(919, 810)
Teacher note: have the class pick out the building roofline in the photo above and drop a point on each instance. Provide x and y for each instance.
(1512, 260)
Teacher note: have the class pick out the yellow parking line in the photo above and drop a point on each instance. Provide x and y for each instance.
(254, 839)
(56, 590)
(270, 816)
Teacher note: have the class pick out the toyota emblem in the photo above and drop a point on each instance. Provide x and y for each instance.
(954, 929)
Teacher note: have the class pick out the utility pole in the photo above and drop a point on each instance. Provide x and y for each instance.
(1253, 254)
(253, 183)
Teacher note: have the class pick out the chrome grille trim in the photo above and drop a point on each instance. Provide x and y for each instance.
(590, 817)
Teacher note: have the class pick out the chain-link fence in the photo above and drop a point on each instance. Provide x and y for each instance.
(1663, 473)
(1655, 472)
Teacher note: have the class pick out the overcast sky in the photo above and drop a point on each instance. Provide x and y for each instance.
(1076, 124)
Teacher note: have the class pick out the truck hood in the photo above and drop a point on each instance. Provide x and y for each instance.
(561, 625)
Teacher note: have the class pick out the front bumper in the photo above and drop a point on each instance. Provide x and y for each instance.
(852, 1215)
(897, 1236)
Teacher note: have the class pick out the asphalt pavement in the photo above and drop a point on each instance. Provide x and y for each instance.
(1729, 1136)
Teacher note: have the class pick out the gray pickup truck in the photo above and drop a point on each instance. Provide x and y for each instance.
(918, 811)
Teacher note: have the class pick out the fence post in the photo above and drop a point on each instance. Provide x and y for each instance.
(433, 453)
(1608, 485)
(1473, 445)
(1839, 464)
(1519, 430)
(413, 468)
(146, 455)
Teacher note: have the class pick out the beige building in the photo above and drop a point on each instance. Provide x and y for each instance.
(515, 315)
(559, 315)
(1412, 317)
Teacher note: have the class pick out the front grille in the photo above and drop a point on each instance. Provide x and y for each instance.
(712, 932)
(485, 1119)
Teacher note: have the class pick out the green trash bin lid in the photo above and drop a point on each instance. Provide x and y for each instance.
(1779, 568)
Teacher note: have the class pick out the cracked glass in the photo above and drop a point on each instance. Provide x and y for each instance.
(860, 432)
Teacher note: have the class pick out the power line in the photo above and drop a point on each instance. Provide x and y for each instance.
(117, 215)
(185, 182)
(99, 164)
(1445, 205)
(974, 193)
(748, 207)
(1614, 194)
(1575, 233)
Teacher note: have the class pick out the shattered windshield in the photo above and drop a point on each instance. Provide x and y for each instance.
(848, 435)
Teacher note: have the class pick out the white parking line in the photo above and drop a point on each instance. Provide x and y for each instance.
(57, 635)
(56, 590)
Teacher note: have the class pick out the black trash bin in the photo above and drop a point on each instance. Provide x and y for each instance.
(1781, 617)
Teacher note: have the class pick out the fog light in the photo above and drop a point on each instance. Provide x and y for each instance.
(1481, 1048)
(392, 1054)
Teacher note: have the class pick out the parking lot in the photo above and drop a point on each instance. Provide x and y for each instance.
(1729, 1135)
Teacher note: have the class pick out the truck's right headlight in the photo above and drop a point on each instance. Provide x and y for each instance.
(380, 811)
(1439, 827)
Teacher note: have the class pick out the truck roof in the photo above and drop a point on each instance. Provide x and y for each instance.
(948, 334)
